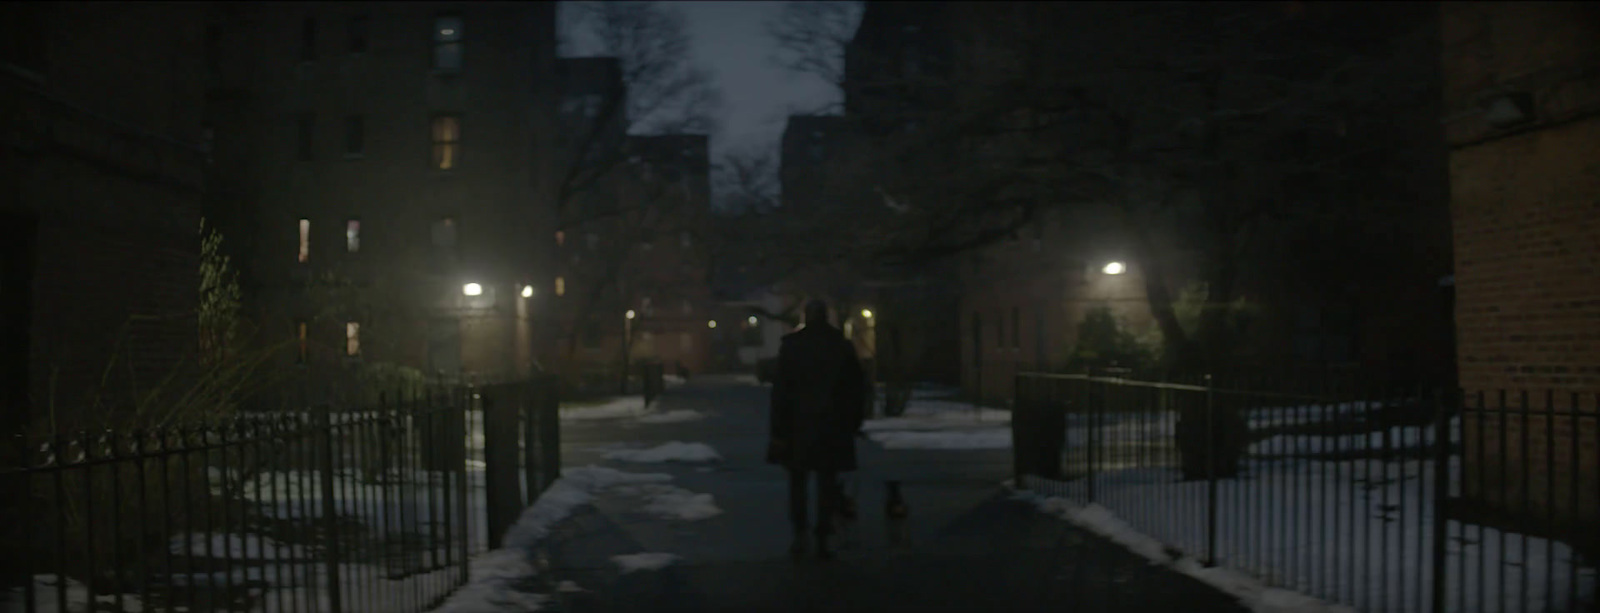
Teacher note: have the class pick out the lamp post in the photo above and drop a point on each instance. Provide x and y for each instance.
(627, 347)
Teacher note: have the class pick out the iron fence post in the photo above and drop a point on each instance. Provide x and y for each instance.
(1441, 497)
(1211, 474)
(330, 505)
(550, 435)
(1092, 440)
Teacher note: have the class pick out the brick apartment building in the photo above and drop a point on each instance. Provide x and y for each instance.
(104, 174)
(1335, 300)
(380, 168)
(1522, 117)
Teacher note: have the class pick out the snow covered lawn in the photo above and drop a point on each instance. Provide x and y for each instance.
(632, 562)
(986, 438)
(1355, 532)
(611, 408)
(672, 417)
(674, 451)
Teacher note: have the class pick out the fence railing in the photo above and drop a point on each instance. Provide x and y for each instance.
(1383, 500)
(296, 510)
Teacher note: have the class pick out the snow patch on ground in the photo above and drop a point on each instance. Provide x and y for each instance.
(496, 575)
(569, 586)
(673, 380)
(643, 561)
(671, 502)
(988, 438)
(1252, 593)
(673, 416)
(939, 415)
(614, 408)
(674, 451)
(45, 595)
(238, 547)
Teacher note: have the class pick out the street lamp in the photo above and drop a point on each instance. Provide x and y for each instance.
(711, 324)
(752, 320)
(527, 291)
(867, 313)
(472, 289)
(630, 314)
(1114, 268)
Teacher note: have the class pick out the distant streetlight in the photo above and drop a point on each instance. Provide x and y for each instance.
(472, 289)
(752, 320)
(867, 313)
(1114, 268)
(711, 324)
(527, 291)
(630, 314)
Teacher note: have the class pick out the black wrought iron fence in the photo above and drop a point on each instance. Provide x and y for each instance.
(295, 510)
(1383, 499)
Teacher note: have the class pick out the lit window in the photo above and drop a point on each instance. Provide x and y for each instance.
(644, 305)
(352, 339)
(300, 335)
(305, 241)
(561, 238)
(685, 342)
(561, 286)
(444, 233)
(355, 135)
(688, 309)
(352, 235)
(446, 142)
(593, 240)
(685, 239)
(447, 43)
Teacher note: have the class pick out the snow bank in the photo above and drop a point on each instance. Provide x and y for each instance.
(499, 576)
(673, 416)
(989, 438)
(235, 546)
(45, 595)
(1252, 593)
(683, 505)
(643, 561)
(614, 408)
(673, 380)
(674, 451)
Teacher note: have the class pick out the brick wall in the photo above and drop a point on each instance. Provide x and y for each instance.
(1527, 244)
(109, 166)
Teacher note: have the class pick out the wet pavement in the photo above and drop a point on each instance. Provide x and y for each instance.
(966, 545)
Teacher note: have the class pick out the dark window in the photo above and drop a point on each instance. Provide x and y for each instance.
(1000, 330)
(447, 43)
(591, 334)
(301, 342)
(1016, 327)
(446, 142)
(214, 50)
(977, 338)
(444, 233)
(308, 40)
(356, 31)
(307, 128)
(23, 36)
(355, 134)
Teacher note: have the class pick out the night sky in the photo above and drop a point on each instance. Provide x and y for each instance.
(731, 42)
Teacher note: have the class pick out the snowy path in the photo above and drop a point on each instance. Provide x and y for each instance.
(967, 546)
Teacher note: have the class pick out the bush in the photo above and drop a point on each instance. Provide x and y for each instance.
(1102, 343)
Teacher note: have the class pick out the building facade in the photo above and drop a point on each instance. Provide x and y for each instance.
(1522, 117)
(104, 174)
(381, 169)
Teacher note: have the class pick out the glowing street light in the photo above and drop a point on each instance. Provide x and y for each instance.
(867, 313)
(711, 324)
(630, 314)
(1114, 268)
(752, 320)
(472, 289)
(527, 291)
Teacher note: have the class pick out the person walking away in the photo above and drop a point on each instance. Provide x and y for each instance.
(817, 408)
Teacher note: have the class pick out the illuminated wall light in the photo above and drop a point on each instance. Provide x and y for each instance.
(472, 289)
(527, 291)
(1114, 268)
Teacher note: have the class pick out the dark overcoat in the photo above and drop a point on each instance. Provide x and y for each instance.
(818, 401)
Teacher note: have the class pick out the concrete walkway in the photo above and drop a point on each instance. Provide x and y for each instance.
(966, 546)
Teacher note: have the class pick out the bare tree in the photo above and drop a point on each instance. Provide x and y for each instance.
(812, 37)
